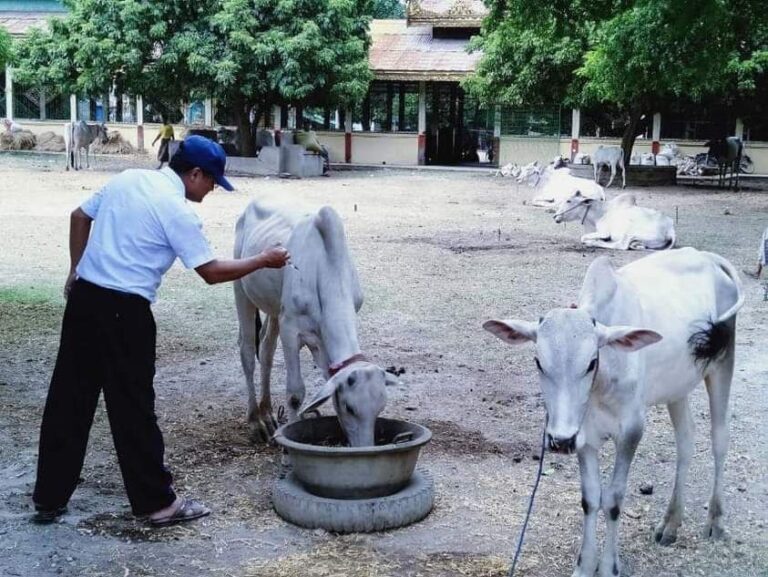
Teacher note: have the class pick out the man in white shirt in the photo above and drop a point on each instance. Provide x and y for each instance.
(122, 240)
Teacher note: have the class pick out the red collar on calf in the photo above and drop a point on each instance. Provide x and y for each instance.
(333, 369)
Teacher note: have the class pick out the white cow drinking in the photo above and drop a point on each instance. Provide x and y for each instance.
(596, 388)
(311, 302)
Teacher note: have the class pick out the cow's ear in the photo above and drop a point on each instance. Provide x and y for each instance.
(512, 331)
(626, 338)
(323, 394)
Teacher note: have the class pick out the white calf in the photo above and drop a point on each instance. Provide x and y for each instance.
(613, 158)
(313, 301)
(593, 390)
(618, 223)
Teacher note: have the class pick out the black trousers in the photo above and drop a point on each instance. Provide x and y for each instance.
(107, 343)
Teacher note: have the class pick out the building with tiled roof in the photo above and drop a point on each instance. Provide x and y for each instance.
(17, 17)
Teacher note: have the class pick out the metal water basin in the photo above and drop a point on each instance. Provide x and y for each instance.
(325, 467)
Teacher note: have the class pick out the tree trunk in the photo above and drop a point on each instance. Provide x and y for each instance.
(244, 130)
(630, 133)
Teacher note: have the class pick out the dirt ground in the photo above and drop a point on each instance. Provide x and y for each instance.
(438, 253)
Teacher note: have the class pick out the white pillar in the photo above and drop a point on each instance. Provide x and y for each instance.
(208, 105)
(9, 92)
(497, 121)
(421, 157)
(422, 107)
(277, 120)
(656, 132)
(73, 108)
(575, 124)
(291, 118)
(739, 132)
(139, 122)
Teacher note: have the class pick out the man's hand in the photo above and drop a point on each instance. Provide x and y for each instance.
(275, 257)
(71, 278)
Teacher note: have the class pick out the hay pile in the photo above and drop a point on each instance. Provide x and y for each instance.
(116, 144)
(22, 140)
(50, 142)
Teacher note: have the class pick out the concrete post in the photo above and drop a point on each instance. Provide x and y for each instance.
(496, 143)
(208, 106)
(277, 112)
(348, 135)
(9, 93)
(575, 131)
(739, 131)
(422, 138)
(42, 104)
(656, 133)
(140, 123)
(73, 108)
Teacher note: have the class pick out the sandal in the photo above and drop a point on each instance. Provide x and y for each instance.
(47, 516)
(189, 510)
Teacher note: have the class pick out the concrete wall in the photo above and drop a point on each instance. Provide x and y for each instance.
(128, 131)
(525, 150)
(334, 142)
(396, 148)
(402, 148)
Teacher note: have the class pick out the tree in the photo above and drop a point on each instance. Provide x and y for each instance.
(5, 48)
(387, 9)
(247, 53)
(632, 54)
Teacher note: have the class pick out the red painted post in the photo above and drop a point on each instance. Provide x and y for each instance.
(422, 159)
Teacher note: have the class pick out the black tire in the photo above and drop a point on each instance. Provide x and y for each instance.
(296, 505)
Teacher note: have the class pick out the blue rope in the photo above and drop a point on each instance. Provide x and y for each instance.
(530, 502)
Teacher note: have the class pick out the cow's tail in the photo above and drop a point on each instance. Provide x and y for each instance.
(731, 272)
(713, 341)
(331, 229)
(671, 238)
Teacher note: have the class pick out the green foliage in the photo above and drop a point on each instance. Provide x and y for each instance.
(247, 53)
(387, 9)
(635, 55)
(656, 50)
(5, 48)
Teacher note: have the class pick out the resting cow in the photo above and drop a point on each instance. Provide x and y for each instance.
(313, 301)
(78, 136)
(686, 302)
(618, 223)
(554, 183)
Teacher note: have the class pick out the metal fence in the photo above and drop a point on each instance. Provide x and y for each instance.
(26, 102)
(531, 122)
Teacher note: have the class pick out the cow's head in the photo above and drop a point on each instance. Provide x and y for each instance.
(568, 343)
(530, 173)
(573, 208)
(359, 395)
(101, 133)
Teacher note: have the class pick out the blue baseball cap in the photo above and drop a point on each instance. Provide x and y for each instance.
(206, 154)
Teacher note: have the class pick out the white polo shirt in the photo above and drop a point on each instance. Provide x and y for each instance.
(142, 222)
